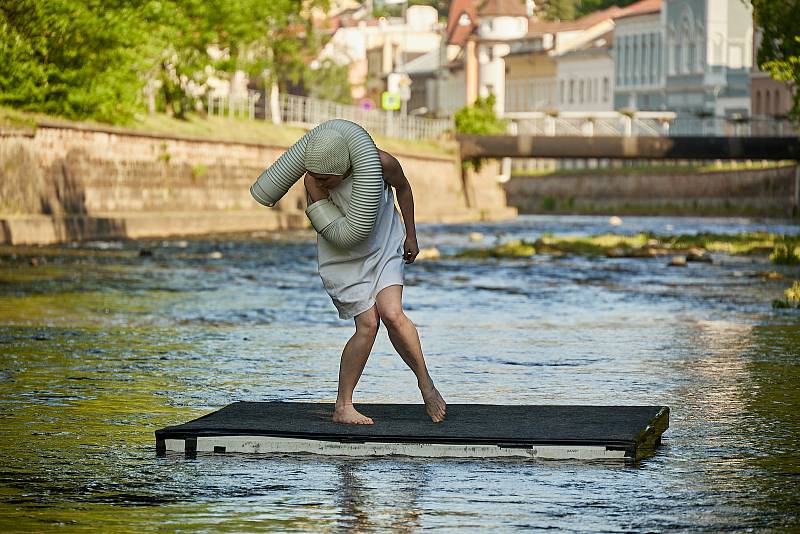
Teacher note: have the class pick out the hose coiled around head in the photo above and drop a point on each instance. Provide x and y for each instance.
(343, 231)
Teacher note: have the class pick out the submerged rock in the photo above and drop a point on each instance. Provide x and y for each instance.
(767, 275)
(617, 252)
(429, 253)
(516, 248)
(698, 254)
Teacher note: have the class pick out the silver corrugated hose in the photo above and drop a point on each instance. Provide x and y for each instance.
(344, 231)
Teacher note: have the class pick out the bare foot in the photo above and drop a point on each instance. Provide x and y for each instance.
(434, 403)
(347, 414)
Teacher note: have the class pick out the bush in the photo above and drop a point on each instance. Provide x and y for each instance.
(480, 118)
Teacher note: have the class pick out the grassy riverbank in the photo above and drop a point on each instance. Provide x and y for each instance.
(780, 248)
(222, 129)
(666, 167)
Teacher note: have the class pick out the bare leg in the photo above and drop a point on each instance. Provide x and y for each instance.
(405, 339)
(354, 358)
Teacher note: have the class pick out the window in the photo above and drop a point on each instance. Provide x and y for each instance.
(678, 59)
(572, 91)
(605, 89)
(767, 104)
(778, 109)
(580, 92)
(562, 95)
(757, 104)
(628, 61)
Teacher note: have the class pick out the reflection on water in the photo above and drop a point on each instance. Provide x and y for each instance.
(102, 345)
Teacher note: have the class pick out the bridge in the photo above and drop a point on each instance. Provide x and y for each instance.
(620, 147)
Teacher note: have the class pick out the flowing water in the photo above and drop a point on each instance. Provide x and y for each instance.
(100, 346)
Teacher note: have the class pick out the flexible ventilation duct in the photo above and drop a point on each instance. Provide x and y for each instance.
(343, 231)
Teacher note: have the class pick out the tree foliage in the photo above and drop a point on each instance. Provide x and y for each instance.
(480, 118)
(571, 9)
(779, 53)
(70, 58)
(91, 58)
(329, 81)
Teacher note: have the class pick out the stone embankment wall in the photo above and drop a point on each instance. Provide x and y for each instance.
(62, 182)
(765, 192)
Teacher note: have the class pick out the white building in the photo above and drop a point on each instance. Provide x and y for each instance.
(585, 77)
(639, 57)
(374, 47)
(708, 48)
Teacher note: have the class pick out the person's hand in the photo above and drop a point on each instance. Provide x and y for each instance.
(410, 249)
(316, 190)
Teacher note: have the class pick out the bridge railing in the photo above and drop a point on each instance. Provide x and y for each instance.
(644, 123)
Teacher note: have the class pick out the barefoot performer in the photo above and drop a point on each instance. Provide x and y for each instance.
(365, 279)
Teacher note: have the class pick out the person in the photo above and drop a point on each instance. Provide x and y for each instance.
(365, 282)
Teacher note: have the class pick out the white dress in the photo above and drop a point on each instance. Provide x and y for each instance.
(353, 277)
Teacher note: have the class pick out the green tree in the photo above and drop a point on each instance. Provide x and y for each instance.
(779, 53)
(74, 58)
(91, 58)
(480, 118)
(558, 9)
(330, 82)
(584, 7)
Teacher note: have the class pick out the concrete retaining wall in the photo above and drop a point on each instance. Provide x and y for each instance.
(765, 192)
(63, 182)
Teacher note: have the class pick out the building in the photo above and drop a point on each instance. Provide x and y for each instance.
(585, 76)
(770, 98)
(396, 43)
(372, 48)
(640, 72)
(708, 53)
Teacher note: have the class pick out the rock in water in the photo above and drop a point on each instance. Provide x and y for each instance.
(614, 221)
(475, 236)
(677, 261)
(698, 254)
(429, 253)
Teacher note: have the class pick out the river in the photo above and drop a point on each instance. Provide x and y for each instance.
(102, 343)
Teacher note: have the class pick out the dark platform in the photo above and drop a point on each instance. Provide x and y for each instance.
(636, 430)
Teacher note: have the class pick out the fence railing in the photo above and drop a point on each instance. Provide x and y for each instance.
(307, 112)
(653, 123)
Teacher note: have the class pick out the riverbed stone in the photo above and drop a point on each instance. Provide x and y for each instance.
(698, 255)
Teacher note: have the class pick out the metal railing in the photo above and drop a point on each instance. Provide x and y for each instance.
(307, 112)
(644, 123)
(590, 123)
(241, 106)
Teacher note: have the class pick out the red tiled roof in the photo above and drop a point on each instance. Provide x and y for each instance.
(456, 33)
(583, 23)
(643, 7)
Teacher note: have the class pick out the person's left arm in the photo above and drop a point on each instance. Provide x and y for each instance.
(394, 176)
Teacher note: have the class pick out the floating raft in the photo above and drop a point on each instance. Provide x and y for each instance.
(469, 431)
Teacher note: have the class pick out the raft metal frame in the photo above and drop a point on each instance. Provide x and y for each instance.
(190, 443)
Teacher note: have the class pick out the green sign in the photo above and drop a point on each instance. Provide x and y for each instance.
(390, 100)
